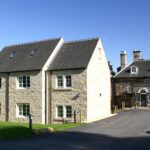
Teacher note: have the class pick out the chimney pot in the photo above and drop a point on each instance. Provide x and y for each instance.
(136, 55)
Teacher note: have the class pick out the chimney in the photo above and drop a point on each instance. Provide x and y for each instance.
(136, 55)
(123, 59)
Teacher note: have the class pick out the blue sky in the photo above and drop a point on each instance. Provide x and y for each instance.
(121, 24)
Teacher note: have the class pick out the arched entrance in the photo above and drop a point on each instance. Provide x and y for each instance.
(143, 98)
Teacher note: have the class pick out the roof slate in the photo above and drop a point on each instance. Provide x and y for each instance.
(143, 69)
(23, 60)
(74, 55)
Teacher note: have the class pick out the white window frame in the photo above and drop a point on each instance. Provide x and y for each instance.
(99, 51)
(64, 107)
(57, 86)
(18, 111)
(18, 83)
(129, 87)
(136, 70)
(68, 80)
(64, 79)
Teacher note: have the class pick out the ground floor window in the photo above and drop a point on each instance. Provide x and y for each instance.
(23, 110)
(63, 111)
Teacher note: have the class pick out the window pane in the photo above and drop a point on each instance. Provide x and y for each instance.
(24, 113)
(28, 81)
(133, 69)
(59, 111)
(24, 79)
(20, 81)
(68, 111)
(68, 81)
(24, 84)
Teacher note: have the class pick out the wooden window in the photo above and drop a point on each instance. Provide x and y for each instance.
(60, 111)
(134, 70)
(60, 81)
(63, 111)
(24, 81)
(68, 81)
(68, 111)
(129, 87)
(63, 81)
(23, 110)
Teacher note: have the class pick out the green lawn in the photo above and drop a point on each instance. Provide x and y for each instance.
(10, 130)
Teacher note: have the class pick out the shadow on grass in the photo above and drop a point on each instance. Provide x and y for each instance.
(14, 132)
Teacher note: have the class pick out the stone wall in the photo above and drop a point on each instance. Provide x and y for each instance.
(69, 96)
(32, 95)
(126, 89)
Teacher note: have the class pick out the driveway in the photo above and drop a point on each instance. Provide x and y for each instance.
(127, 130)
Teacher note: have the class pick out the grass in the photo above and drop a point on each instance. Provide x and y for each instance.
(11, 130)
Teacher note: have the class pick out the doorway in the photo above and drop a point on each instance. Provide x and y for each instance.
(143, 98)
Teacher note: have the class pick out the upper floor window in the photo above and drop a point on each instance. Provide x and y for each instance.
(12, 54)
(63, 81)
(24, 81)
(60, 81)
(129, 87)
(68, 81)
(134, 70)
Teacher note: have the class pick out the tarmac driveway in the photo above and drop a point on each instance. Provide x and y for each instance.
(127, 130)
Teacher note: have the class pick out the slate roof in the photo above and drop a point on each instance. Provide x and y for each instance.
(28, 56)
(143, 69)
(74, 55)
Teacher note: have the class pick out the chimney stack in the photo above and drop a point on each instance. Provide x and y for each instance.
(136, 55)
(123, 59)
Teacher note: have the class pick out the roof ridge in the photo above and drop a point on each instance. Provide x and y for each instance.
(32, 42)
(123, 69)
(80, 40)
(142, 60)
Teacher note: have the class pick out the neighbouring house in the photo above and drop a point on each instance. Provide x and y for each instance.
(52, 79)
(132, 82)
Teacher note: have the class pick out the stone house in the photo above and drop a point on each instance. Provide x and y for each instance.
(132, 82)
(51, 79)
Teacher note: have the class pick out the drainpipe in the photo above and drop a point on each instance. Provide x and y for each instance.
(7, 99)
(50, 97)
(48, 92)
(45, 97)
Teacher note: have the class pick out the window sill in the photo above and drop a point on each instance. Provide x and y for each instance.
(24, 117)
(63, 119)
(62, 89)
(23, 88)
